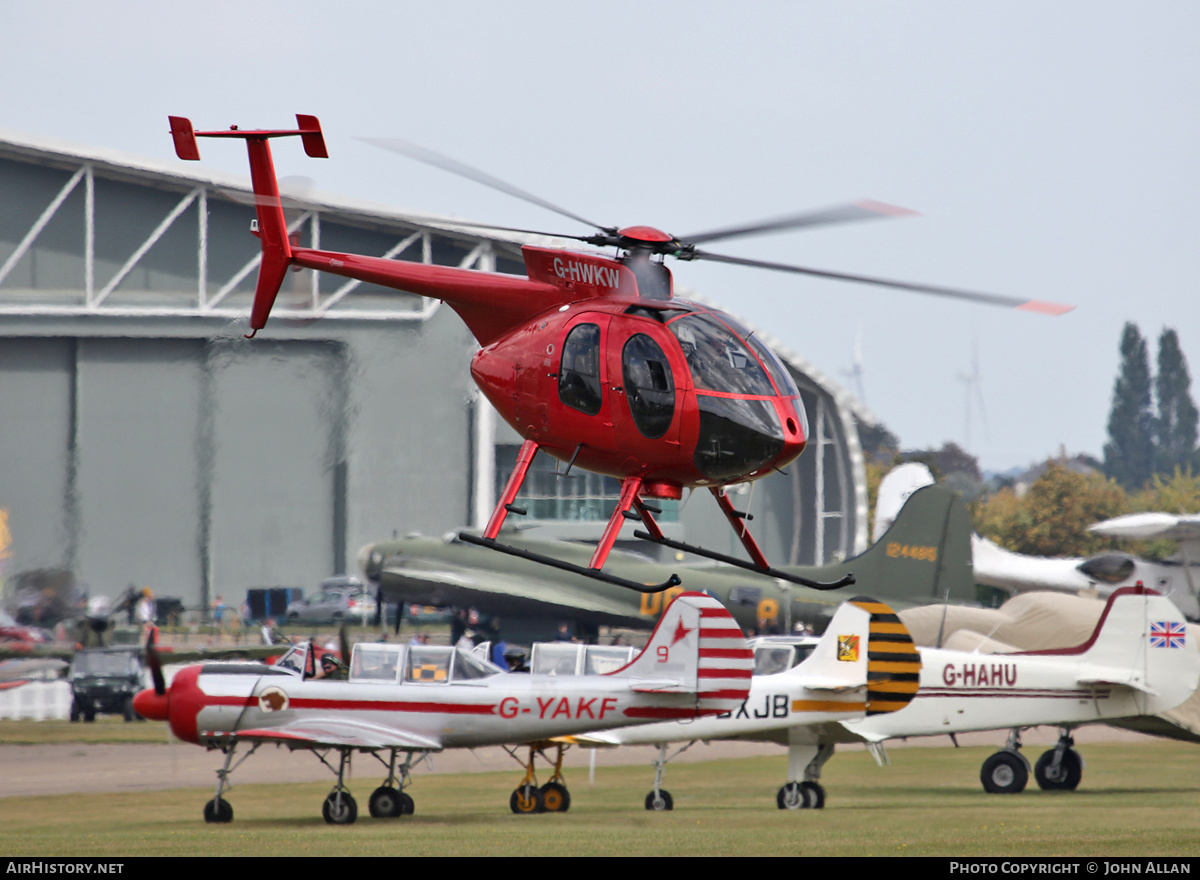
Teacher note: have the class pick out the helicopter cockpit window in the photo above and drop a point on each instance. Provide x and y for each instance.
(649, 386)
(779, 373)
(579, 374)
(718, 359)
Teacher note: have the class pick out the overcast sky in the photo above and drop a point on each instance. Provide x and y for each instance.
(1050, 148)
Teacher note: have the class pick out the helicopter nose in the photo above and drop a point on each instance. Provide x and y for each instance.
(151, 706)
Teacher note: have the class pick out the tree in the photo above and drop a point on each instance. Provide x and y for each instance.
(1175, 425)
(1051, 519)
(1129, 454)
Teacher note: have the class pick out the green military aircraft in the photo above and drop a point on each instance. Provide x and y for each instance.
(924, 557)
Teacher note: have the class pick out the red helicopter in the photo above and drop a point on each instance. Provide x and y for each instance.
(591, 359)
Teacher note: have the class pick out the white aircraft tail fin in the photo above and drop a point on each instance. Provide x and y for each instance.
(698, 648)
(1141, 642)
(866, 645)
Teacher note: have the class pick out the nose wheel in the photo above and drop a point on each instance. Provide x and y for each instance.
(340, 808)
(217, 811)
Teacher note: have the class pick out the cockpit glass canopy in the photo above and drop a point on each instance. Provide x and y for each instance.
(779, 373)
(718, 359)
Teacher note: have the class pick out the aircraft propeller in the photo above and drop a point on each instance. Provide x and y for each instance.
(154, 662)
(648, 239)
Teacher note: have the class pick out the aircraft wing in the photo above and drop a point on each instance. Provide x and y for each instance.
(1145, 526)
(316, 733)
(435, 582)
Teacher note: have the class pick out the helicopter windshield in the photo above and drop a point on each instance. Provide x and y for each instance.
(718, 359)
(780, 375)
(738, 434)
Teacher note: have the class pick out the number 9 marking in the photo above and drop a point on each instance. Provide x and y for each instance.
(664, 654)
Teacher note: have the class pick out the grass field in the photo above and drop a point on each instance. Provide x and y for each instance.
(1135, 800)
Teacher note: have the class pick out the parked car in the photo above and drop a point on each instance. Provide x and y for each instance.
(104, 681)
(339, 598)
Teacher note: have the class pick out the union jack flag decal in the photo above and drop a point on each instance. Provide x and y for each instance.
(1167, 634)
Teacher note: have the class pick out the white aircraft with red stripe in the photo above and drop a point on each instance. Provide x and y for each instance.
(417, 699)
(1140, 660)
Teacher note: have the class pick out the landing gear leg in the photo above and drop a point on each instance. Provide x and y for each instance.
(660, 799)
(1060, 768)
(527, 797)
(1007, 771)
(339, 807)
(802, 791)
(555, 797)
(390, 800)
(218, 809)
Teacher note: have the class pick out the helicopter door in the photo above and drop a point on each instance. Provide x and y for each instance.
(583, 416)
(641, 373)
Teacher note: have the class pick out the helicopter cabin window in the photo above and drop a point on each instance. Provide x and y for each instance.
(579, 373)
(649, 386)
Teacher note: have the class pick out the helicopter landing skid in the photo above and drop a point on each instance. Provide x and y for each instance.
(845, 581)
(593, 573)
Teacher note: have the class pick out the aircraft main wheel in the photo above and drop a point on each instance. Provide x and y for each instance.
(556, 798)
(407, 805)
(815, 794)
(660, 802)
(218, 811)
(1064, 777)
(385, 803)
(1004, 773)
(526, 799)
(340, 809)
(793, 796)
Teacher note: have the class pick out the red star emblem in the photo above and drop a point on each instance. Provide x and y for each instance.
(681, 632)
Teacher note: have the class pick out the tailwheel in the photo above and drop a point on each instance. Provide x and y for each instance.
(527, 798)
(793, 796)
(1004, 773)
(555, 797)
(385, 803)
(340, 809)
(659, 801)
(218, 810)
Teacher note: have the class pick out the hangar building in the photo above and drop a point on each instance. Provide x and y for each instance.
(144, 441)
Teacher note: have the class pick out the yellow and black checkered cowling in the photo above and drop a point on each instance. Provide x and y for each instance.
(893, 662)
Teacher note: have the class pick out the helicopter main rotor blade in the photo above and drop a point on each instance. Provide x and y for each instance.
(995, 299)
(867, 209)
(437, 160)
